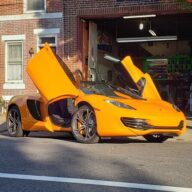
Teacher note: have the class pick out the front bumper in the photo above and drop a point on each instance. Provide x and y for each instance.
(111, 124)
(142, 124)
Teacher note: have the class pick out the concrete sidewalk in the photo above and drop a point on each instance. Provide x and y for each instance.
(185, 137)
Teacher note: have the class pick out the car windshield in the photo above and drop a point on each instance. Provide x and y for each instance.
(105, 89)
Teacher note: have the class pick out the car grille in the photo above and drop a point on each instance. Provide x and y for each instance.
(142, 124)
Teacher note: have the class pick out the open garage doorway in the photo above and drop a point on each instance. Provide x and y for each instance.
(160, 45)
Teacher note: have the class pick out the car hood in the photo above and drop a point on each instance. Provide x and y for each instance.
(149, 105)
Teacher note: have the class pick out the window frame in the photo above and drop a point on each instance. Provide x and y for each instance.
(34, 11)
(46, 35)
(7, 43)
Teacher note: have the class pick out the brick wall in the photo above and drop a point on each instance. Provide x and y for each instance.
(15, 7)
(11, 7)
(54, 6)
(26, 27)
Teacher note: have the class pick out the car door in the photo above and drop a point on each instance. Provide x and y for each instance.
(143, 81)
(51, 77)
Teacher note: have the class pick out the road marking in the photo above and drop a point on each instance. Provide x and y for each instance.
(95, 182)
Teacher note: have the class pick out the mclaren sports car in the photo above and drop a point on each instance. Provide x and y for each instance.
(91, 110)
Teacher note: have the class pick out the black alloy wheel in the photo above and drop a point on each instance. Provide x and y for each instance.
(84, 126)
(14, 123)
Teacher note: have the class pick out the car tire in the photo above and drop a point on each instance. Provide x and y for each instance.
(14, 122)
(155, 138)
(84, 126)
(26, 133)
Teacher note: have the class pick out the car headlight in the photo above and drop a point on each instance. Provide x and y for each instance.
(176, 108)
(119, 104)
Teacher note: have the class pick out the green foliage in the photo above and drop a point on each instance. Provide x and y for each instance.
(2, 102)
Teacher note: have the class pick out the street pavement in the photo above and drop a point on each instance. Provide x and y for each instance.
(132, 162)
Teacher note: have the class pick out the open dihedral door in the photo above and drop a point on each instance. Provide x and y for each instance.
(50, 78)
(143, 81)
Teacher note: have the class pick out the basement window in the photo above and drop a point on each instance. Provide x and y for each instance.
(52, 40)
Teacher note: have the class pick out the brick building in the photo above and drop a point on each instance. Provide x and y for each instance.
(25, 26)
(83, 31)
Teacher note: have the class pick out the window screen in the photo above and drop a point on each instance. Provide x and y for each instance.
(14, 61)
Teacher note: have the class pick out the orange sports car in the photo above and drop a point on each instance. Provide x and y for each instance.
(91, 110)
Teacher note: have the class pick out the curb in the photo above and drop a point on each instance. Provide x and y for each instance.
(3, 131)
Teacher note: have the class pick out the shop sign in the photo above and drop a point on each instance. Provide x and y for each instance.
(164, 68)
(183, 65)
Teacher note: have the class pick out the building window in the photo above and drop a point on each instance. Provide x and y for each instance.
(52, 40)
(14, 62)
(34, 5)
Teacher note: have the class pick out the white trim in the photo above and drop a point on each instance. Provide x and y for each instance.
(46, 31)
(7, 97)
(12, 37)
(28, 16)
(13, 86)
(35, 11)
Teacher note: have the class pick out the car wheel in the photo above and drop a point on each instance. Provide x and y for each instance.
(84, 126)
(14, 122)
(155, 138)
(26, 133)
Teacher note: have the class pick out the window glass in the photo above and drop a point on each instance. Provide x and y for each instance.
(50, 40)
(47, 39)
(35, 5)
(14, 61)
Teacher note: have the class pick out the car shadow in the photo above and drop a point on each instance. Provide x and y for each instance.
(69, 138)
(122, 140)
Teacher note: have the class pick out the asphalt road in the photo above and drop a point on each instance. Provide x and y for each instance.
(118, 160)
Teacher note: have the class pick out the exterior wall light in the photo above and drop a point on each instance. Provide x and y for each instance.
(31, 51)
